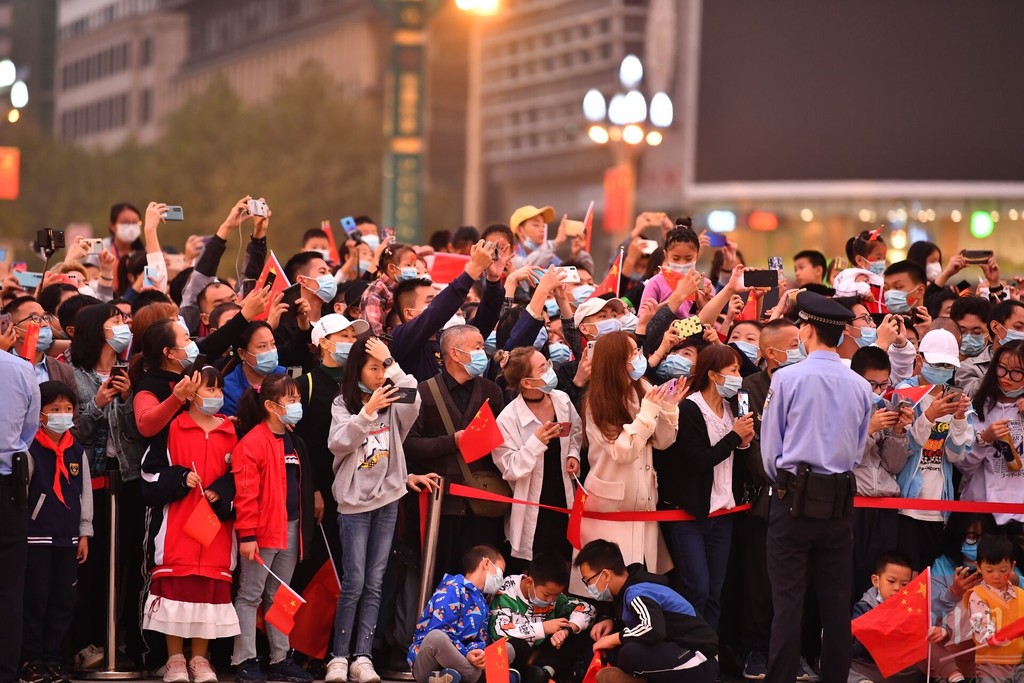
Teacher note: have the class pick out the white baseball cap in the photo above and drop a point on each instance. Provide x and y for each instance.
(594, 305)
(939, 346)
(329, 324)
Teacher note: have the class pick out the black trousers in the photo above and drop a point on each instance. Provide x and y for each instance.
(576, 650)
(656, 662)
(921, 541)
(875, 532)
(49, 600)
(751, 536)
(459, 533)
(804, 551)
(13, 553)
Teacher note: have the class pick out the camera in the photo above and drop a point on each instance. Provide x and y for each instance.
(49, 240)
(492, 249)
(258, 207)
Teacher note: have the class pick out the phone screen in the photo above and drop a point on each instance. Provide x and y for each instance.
(717, 240)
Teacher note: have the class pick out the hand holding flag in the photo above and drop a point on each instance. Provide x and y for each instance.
(896, 632)
(481, 436)
(286, 604)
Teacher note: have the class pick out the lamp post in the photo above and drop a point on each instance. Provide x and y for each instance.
(627, 124)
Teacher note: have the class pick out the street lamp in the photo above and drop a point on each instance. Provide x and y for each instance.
(626, 122)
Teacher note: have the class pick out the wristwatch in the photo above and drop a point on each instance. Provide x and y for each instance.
(388, 362)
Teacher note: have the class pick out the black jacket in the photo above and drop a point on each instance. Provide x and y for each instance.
(651, 612)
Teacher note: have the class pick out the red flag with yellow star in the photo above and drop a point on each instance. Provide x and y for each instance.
(896, 632)
(579, 502)
(202, 524)
(611, 281)
(496, 662)
(482, 435)
(279, 284)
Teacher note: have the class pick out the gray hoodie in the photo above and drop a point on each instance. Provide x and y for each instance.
(884, 456)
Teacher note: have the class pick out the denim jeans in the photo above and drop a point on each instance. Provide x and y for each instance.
(700, 550)
(366, 545)
(437, 652)
(256, 585)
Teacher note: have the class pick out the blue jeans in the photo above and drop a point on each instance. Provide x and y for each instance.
(700, 550)
(366, 546)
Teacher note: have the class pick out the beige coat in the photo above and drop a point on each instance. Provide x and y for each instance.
(622, 479)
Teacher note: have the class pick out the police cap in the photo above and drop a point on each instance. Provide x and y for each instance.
(816, 308)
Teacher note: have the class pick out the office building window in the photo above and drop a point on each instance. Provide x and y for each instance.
(146, 106)
(146, 50)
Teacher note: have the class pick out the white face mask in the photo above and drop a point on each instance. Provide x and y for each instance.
(933, 270)
(128, 232)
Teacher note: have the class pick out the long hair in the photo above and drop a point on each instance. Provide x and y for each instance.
(90, 338)
(713, 358)
(150, 315)
(159, 336)
(607, 401)
(517, 367)
(251, 408)
(243, 343)
(350, 393)
(989, 391)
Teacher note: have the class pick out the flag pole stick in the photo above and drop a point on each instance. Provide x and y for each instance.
(928, 598)
(330, 555)
(580, 484)
(200, 480)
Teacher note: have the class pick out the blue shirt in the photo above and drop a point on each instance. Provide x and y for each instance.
(19, 411)
(460, 610)
(816, 412)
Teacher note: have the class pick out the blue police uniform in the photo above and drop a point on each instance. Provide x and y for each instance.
(813, 433)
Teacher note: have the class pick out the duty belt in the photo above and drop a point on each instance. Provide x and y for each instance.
(816, 496)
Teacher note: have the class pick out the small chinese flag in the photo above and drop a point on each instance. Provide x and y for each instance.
(611, 280)
(496, 662)
(482, 435)
(876, 307)
(912, 394)
(1012, 631)
(447, 267)
(896, 632)
(588, 224)
(280, 283)
(750, 309)
(28, 347)
(313, 624)
(596, 664)
(281, 614)
(579, 502)
(202, 525)
(332, 245)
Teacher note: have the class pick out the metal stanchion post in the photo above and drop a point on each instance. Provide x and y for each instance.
(111, 673)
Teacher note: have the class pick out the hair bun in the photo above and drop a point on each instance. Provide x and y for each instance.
(684, 222)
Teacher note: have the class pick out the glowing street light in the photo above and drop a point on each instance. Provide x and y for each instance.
(8, 74)
(485, 7)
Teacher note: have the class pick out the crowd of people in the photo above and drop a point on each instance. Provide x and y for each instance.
(754, 414)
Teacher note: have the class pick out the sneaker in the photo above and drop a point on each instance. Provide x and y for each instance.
(756, 667)
(201, 671)
(287, 670)
(806, 673)
(33, 672)
(249, 672)
(613, 674)
(337, 670)
(89, 657)
(57, 673)
(362, 671)
(445, 676)
(175, 670)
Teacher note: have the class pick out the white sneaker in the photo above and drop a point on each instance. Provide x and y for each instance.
(337, 670)
(362, 671)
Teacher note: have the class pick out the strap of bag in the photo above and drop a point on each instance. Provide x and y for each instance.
(446, 418)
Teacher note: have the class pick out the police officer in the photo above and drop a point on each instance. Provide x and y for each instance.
(813, 432)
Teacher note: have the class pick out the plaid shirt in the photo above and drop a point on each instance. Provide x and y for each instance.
(377, 302)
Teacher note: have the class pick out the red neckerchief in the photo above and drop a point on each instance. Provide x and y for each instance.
(65, 443)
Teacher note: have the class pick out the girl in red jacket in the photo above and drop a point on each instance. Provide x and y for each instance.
(274, 508)
(190, 590)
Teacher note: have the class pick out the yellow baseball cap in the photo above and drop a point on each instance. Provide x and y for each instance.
(525, 213)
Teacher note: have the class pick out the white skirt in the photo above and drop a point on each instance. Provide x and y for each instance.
(190, 619)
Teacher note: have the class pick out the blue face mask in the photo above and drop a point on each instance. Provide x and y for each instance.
(1013, 335)
(528, 244)
(628, 322)
(326, 288)
(936, 375)
(210, 405)
(896, 301)
(681, 267)
(878, 401)
(969, 551)
(551, 306)
(793, 356)
(550, 381)
(604, 595)
(371, 240)
(341, 351)
(675, 366)
(191, 353)
(868, 336)
(1015, 393)
(408, 273)
(45, 340)
(363, 388)
(364, 266)
(491, 343)
(582, 293)
(559, 353)
(730, 386)
(877, 267)
(748, 350)
(121, 339)
(266, 362)
(972, 345)
(477, 362)
(59, 423)
(292, 413)
(542, 339)
(606, 326)
(637, 366)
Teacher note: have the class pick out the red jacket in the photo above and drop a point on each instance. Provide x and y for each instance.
(168, 461)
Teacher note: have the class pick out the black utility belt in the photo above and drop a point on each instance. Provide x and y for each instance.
(816, 496)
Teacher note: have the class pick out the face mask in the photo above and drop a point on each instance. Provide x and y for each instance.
(477, 362)
(637, 366)
(455, 320)
(266, 362)
(868, 336)
(1013, 335)
(491, 343)
(551, 306)
(748, 350)
(933, 270)
(325, 254)
(606, 326)
(542, 339)
(541, 604)
(936, 375)
(681, 267)
(972, 345)
(363, 388)
(793, 356)
(326, 288)
(292, 413)
(59, 422)
(128, 232)
(407, 273)
(877, 267)
(191, 353)
(842, 338)
(528, 244)
(493, 581)
(878, 401)
(799, 347)
(628, 322)
(210, 405)
(341, 351)
(582, 293)
(559, 353)
(550, 381)
(45, 340)
(969, 551)
(371, 240)
(1015, 393)
(730, 386)
(603, 595)
(676, 366)
(364, 266)
(121, 339)
(896, 301)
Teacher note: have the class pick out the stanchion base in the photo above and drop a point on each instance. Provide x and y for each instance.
(403, 675)
(111, 675)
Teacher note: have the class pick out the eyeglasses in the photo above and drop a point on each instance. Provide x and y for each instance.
(1014, 375)
(876, 386)
(37, 319)
(586, 581)
(866, 319)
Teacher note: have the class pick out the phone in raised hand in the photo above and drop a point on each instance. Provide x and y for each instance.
(743, 402)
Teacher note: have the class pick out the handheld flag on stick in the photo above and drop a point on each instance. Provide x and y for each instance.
(202, 525)
(313, 623)
(332, 246)
(496, 662)
(286, 604)
(612, 279)
(588, 224)
(579, 502)
(28, 347)
(482, 435)
(279, 284)
(896, 632)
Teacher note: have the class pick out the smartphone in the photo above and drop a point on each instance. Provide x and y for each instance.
(271, 277)
(566, 429)
(248, 284)
(590, 349)
(761, 278)
(386, 233)
(717, 240)
(406, 395)
(5, 322)
(348, 224)
(147, 279)
(28, 280)
(743, 402)
(569, 274)
(492, 249)
(648, 247)
(976, 256)
(971, 570)
(119, 370)
(49, 239)
(199, 364)
(174, 213)
(687, 327)
(574, 228)
(775, 263)
(257, 207)
(950, 390)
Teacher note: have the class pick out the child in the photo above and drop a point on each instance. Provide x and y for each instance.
(59, 527)
(892, 574)
(904, 289)
(661, 638)
(540, 621)
(682, 247)
(450, 637)
(995, 603)
(190, 592)
(809, 268)
(875, 530)
(274, 509)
